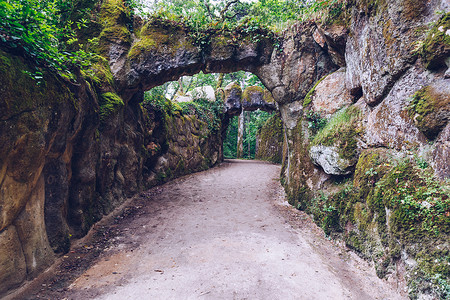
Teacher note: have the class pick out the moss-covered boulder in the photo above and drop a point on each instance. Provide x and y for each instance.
(114, 18)
(334, 147)
(269, 140)
(255, 97)
(395, 212)
(233, 99)
(430, 108)
(435, 49)
(165, 39)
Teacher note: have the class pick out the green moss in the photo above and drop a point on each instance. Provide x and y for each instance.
(392, 206)
(100, 73)
(251, 90)
(110, 103)
(155, 36)
(271, 137)
(341, 131)
(115, 20)
(114, 33)
(436, 46)
(425, 109)
(308, 96)
(29, 87)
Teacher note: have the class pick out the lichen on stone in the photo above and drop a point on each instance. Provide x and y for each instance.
(430, 110)
(436, 46)
(110, 103)
(341, 131)
(270, 140)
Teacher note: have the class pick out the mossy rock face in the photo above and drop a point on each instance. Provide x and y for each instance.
(335, 146)
(430, 108)
(114, 18)
(27, 108)
(100, 73)
(233, 98)
(110, 103)
(270, 140)
(436, 47)
(255, 97)
(392, 210)
(164, 39)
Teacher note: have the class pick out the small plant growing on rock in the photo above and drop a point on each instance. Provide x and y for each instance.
(315, 121)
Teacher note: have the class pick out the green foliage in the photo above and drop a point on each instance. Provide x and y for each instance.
(254, 121)
(315, 121)
(207, 111)
(109, 104)
(43, 31)
(341, 131)
(276, 14)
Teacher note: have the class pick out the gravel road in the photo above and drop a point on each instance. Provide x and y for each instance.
(226, 233)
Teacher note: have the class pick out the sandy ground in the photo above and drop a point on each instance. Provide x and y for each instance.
(226, 233)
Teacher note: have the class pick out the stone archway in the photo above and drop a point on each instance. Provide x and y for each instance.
(163, 52)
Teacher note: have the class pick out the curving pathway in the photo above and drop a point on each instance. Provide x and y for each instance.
(225, 233)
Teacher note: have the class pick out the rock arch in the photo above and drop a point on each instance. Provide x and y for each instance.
(159, 52)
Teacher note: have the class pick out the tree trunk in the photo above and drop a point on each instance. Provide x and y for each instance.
(240, 139)
(248, 135)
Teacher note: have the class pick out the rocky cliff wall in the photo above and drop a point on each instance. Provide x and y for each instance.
(367, 148)
(72, 152)
(269, 140)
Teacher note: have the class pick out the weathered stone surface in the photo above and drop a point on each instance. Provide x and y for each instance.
(233, 99)
(329, 158)
(190, 146)
(55, 207)
(335, 38)
(330, 94)
(29, 124)
(31, 230)
(389, 125)
(441, 154)
(12, 260)
(381, 43)
(255, 97)
(290, 75)
(291, 113)
(430, 108)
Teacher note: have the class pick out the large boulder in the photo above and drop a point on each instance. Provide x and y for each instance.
(335, 147)
(330, 159)
(389, 125)
(381, 44)
(233, 99)
(330, 94)
(430, 108)
(206, 92)
(255, 97)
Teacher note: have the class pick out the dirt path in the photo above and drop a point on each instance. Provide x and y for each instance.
(221, 234)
